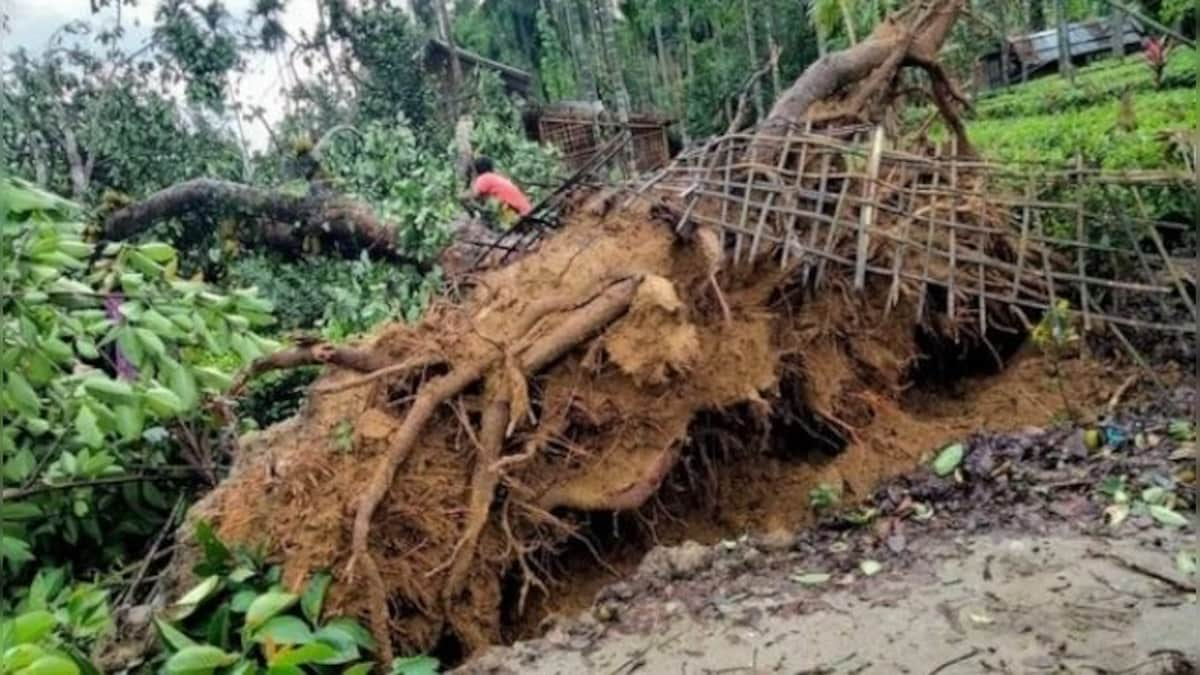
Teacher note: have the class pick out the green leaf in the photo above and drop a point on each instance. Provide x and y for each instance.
(359, 669)
(185, 606)
(164, 402)
(241, 601)
(1167, 517)
(244, 668)
(51, 665)
(157, 252)
(415, 665)
(314, 596)
(172, 636)
(313, 652)
(16, 511)
(283, 630)
(22, 394)
(267, 606)
(151, 342)
(870, 567)
(19, 657)
(184, 386)
(213, 378)
(130, 422)
(285, 670)
(812, 578)
(361, 636)
(343, 642)
(32, 627)
(218, 629)
(200, 657)
(1188, 562)
(948, 459)
(104, 387)
(88, 428)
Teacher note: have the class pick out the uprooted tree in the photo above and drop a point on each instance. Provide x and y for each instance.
(657, 325)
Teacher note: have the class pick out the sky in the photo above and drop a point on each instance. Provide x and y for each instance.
(32, 22)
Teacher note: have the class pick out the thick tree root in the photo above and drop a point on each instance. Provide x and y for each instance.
(361, 360)
(580, 324)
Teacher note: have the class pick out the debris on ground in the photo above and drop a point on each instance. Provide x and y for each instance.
(1006, 565)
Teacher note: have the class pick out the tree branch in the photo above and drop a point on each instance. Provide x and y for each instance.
(344, 223)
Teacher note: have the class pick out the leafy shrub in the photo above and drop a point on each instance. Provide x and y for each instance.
(98, 359)
(240, 620)
(52, 626)
(1098, 83)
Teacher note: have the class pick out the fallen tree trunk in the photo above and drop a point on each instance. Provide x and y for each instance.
(337, 221)
(859, 82)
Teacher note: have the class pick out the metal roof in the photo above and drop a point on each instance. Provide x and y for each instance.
(1035, 50)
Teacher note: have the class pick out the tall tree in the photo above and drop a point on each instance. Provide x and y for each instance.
(456, 76)
(752, 53)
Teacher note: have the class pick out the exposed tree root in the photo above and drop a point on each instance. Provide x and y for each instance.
(361, 360)
(572, 330)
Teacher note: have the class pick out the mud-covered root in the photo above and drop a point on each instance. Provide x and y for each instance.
(578, 325)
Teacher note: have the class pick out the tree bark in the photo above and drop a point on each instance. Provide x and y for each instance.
(456, 77)
(756, 87)
(346, 225)
(583, 56)
(900, 40)
(1064, 46)
(662, 56)
(773, 46)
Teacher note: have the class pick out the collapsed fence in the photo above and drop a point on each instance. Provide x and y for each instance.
(927, 208)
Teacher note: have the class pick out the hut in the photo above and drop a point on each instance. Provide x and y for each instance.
(581, 129)
(1020, 57)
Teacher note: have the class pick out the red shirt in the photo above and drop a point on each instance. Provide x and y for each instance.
(492, 184)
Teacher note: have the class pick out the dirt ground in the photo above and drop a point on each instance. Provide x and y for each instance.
(1007, 566)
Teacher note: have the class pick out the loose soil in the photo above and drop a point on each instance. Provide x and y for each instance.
(1006, 567)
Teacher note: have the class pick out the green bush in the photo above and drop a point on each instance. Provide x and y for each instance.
(100, 353)
(1099, 83)
(240, 620)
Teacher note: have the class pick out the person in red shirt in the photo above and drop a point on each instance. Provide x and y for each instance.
(490, 185)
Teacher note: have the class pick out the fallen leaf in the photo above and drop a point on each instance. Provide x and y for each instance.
(1156, 495)
(811, 579)
(1188, 562)
(922, 511)
(1116, 514)
(948, 459)
(870, 567)
(1166, 517)
(1185, 451)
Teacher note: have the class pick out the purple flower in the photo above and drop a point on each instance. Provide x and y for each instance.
(112, 307)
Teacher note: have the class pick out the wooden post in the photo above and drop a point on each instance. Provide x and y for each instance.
(867, 217)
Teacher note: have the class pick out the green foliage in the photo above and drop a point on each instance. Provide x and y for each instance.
(97, 351)
(1096, 84)
(239, 619)
(199, 40)
(383, 41)
(64, 110)
(51, 626)
(824, 496)
(554, 66)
